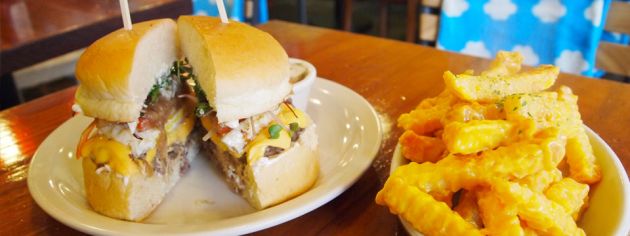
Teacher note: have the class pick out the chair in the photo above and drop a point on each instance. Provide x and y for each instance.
(383, 8)
(423, 26)
(612, 57)
(343, 14)
(423, 33)
(423, 21)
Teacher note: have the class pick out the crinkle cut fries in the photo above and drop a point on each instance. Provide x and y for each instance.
(516, 156)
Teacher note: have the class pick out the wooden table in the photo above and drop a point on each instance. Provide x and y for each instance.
(36, 30)
(393, 76)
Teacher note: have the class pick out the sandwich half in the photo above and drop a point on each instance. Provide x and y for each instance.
(265, 147)
(136, 148)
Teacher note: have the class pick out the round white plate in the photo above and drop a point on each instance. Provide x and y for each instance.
(201, 203)
(608, 212)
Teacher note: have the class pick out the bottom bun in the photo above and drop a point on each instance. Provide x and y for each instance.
(134, 197)
(270, 181)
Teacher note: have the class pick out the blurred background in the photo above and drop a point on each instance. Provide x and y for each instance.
(42, 40)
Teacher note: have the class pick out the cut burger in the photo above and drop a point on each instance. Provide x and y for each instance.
(265, 147)
(139, 143)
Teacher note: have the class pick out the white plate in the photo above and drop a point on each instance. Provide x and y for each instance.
(201, 203)
(609, 205)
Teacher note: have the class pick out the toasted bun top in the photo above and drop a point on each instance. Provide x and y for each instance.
(243, 70)
(117, 71)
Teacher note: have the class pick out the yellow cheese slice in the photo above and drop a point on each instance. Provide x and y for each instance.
(108, 151)
(287, 117)
(256, 148)
(179, 127)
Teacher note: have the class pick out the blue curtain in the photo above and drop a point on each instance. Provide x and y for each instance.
(561, 32)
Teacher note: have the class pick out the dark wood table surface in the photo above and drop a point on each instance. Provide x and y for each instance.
(33, 31)
(393, 76)
(36, 30)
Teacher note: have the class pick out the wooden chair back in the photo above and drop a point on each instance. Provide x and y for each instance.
(423, 21)
(423, 24)
(613, 57)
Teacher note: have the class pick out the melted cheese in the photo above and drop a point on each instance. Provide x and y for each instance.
(206, 122)
(150, 156)
(103, 150)
(179, 127)
(256, 148)
(287, 117)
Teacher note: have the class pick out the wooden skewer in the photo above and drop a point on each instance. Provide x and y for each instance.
(222, 12)
(124, 11)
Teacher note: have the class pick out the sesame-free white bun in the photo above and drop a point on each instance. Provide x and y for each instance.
(117, 71)
(286, 176)
(243, 70)
(272, 180)
(134, 199)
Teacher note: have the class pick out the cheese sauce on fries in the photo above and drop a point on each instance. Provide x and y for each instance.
(494, 154)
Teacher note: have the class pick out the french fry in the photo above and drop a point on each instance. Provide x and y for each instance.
(475, 136)
(444, 100)
(467, 208)
(426, 117)
(498, 218)
(492, 89)
(421, 122)
(421, 148)
(519, 155)
(581, 160)
(571, 195)
(545, 109)
(558, 109)
(438, 133)
(580, 155)
(467, 111)
(540, 213)
(505, 63)
(445, 197)
(455, 172)
(529, 231)
(541, 180)
(420, 209)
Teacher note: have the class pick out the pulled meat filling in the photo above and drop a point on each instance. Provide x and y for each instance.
(296, 135)
(272, 151)
(160, 161)
(233, 169)
(157, 110)
(166, 97)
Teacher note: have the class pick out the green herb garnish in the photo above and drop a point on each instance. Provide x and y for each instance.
(500, 103)
(274, 131)
(154, 94)
(182, 70)
(201, 95)
(175, 68)
(202, 108)
(294, 127)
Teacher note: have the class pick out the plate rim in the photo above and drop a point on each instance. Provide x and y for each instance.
(280, 215)
(400, 160)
